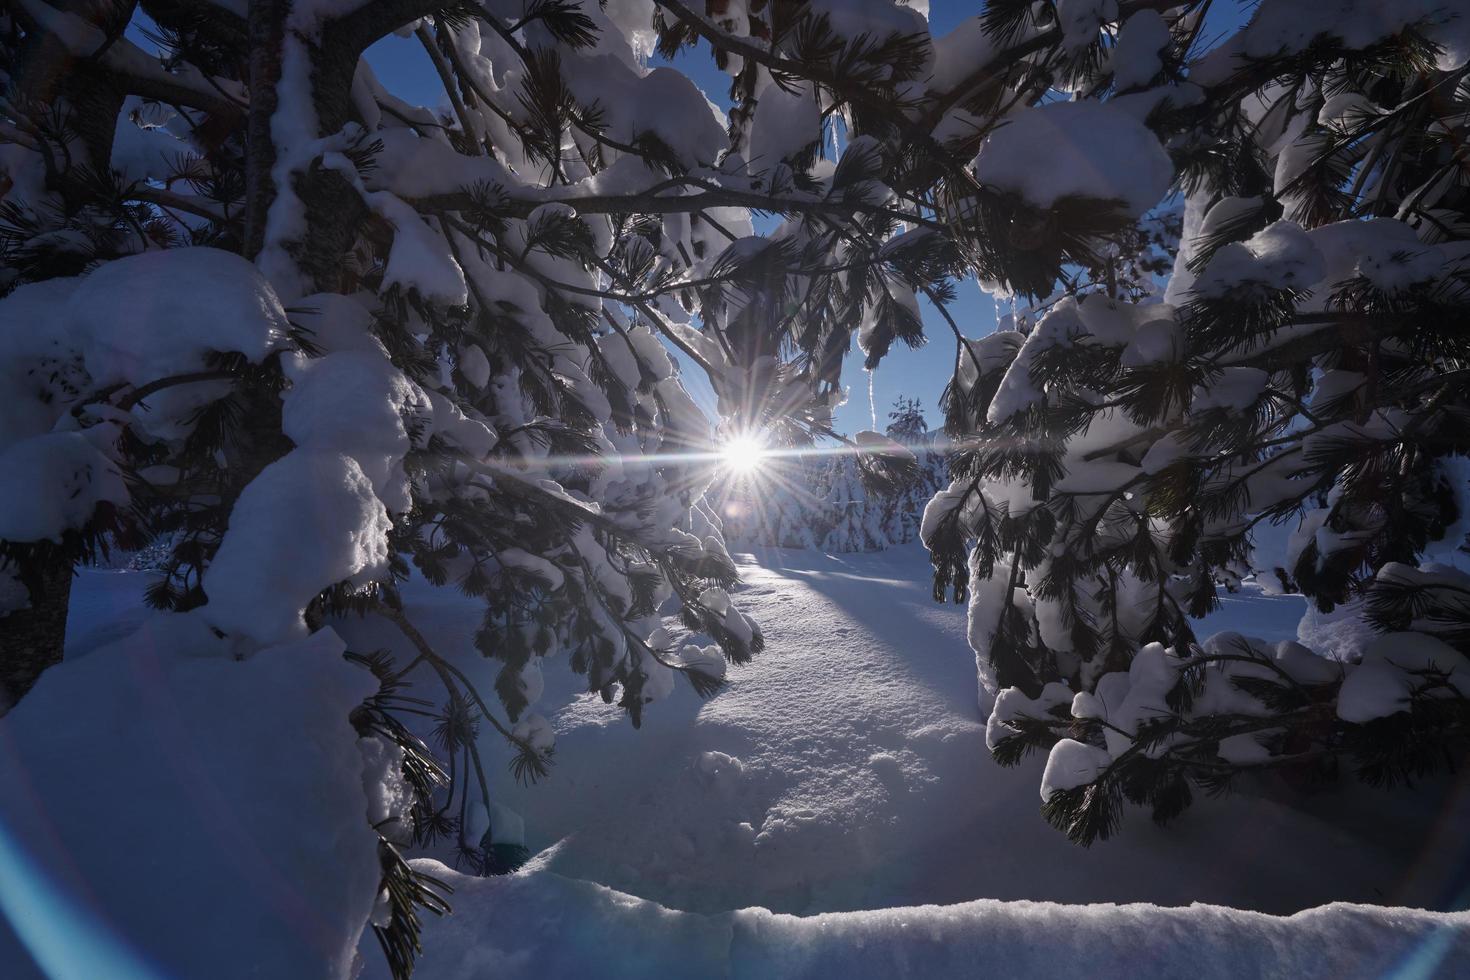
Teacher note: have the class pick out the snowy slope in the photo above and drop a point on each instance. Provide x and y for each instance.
(846, 768)
(168, 811)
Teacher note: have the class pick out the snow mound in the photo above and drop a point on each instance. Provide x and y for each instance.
(539, 924)
(1279, 256)
(663, 103)
(357, 402)
(784, 124)
(847, 768)
(1394, 667)
(1071, 764)
(138, 318)
(171, 812)
(52, 483)
(40, 369)
(1076, 149)
(309, 521)
(1284, 27)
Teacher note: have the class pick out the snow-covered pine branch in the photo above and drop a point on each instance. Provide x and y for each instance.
(1125, 450)
(257, 304)
(264, 313)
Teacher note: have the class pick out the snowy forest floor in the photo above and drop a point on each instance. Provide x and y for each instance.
(845, 769)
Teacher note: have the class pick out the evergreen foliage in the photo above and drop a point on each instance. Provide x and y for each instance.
(398, 338)
(1122, 455)
(459, 359)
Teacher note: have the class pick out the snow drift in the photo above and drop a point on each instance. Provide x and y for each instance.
(171, 812)
(539, 924)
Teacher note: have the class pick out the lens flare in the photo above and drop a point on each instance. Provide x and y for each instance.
(743, 455)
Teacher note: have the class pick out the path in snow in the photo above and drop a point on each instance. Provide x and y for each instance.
(846, 768)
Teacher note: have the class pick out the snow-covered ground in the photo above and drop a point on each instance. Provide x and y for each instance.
(539, 924)
(845, 769)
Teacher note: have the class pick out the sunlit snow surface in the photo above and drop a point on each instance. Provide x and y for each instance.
(845, 769)
(539, 924)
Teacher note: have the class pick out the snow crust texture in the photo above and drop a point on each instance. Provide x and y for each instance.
(538, 924)
(847, 768)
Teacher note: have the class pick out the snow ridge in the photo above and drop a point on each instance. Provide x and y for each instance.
(539, 924)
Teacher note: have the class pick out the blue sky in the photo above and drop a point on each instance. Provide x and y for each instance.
(920, 373)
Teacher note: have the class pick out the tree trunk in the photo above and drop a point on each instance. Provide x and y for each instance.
(33, 639)
(267, 27)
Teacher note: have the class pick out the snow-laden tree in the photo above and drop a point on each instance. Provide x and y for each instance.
(822, 495)
(781, 505)
(1122, 455)
(906, 422)
(260, 307)
(852, 524)
(903, 508)
(258, 304)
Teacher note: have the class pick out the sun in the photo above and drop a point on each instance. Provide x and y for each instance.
(743, 455)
